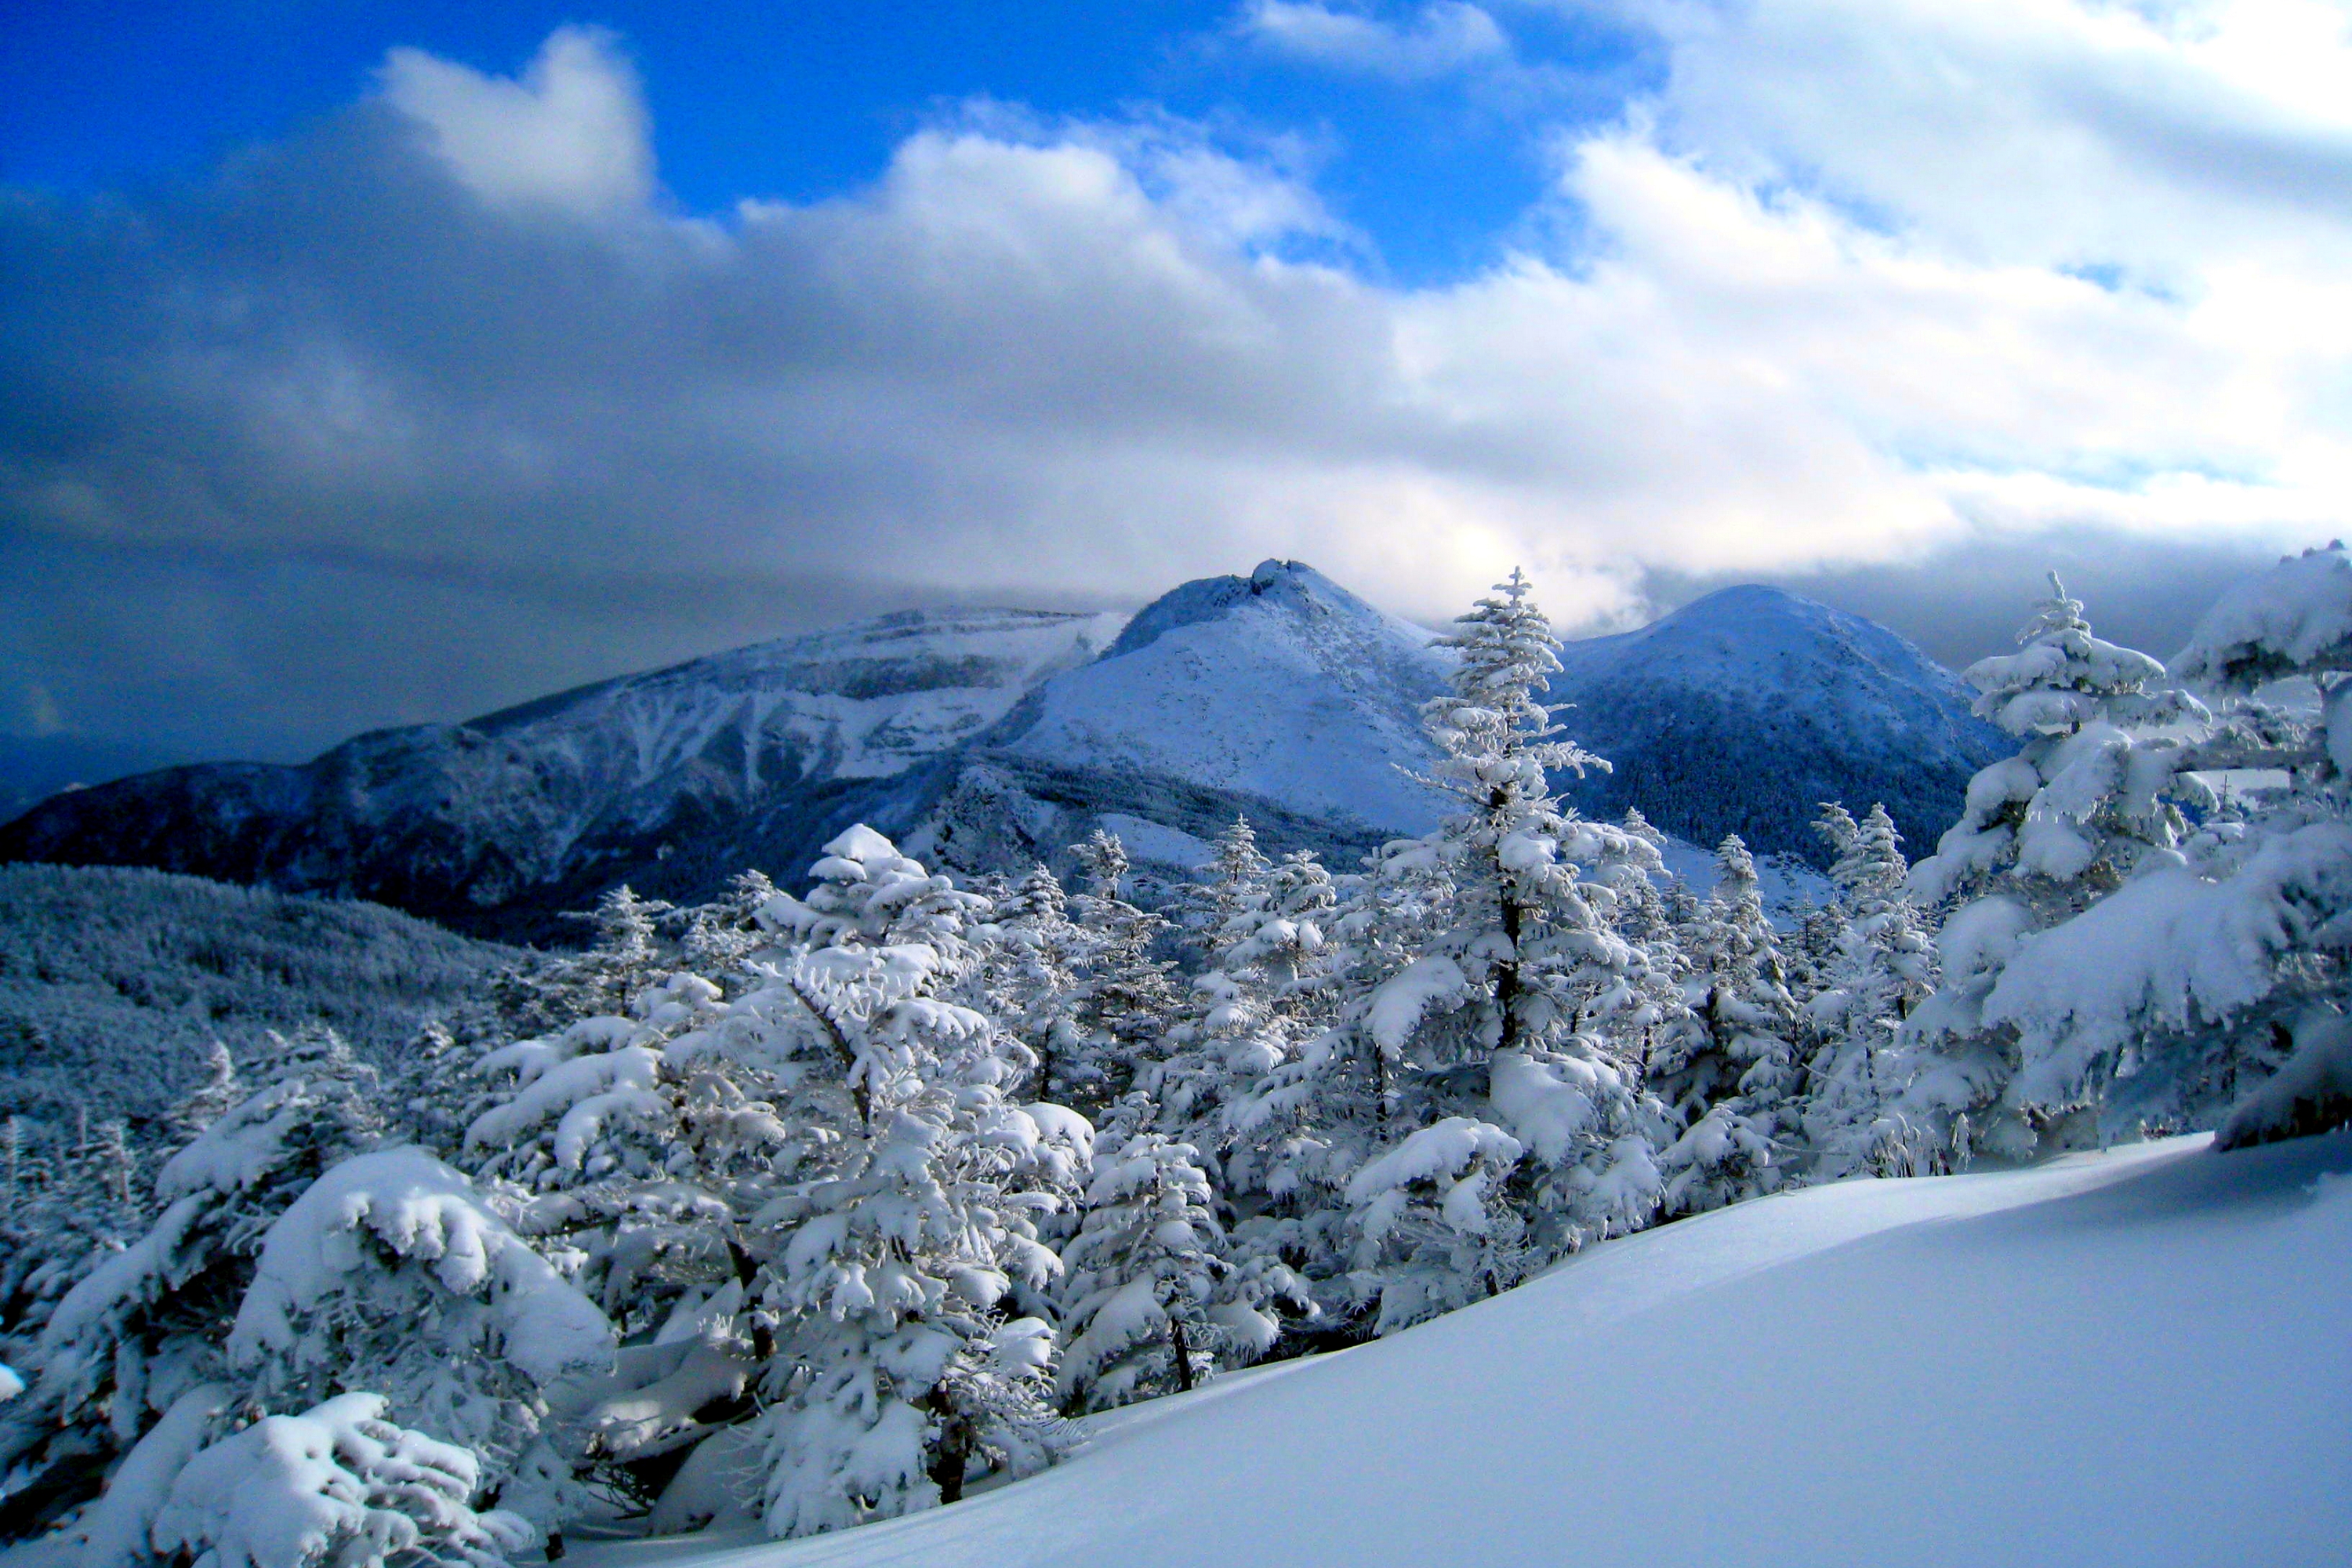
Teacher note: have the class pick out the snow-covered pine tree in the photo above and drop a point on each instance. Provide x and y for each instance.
(626, 953)
(722, 935)
(1225, 1034)
(633, 1142)
(141, 1326)
(1650, 1007)
(2095, 790)
(213, 1094)
(638, 1147)
(1127, 994)
(1152, 1299)
(889, 1261)
(1732, 1063)
(1034, 990)
(1436, 1222)
(1285, 938)
(2184, 989)
(1297, 1137)
(391, 1276)
(1884, 964)
(1499, 1004)
(336, 1484)
(1231, 883)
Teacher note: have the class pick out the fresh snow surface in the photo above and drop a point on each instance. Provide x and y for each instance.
(2136, 1357)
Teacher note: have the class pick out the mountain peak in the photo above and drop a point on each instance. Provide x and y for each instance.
(1743, 598)
(1291, 584)
(1740, 711)
(1281, 685)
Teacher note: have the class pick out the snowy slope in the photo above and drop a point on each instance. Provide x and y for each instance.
(2138, 1357)
(1279, 695)
(113, 981)
(1281, 684)
(1740, 711)
(494, 823)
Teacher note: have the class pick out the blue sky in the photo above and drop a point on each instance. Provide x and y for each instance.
(803, 100)
(364, 364)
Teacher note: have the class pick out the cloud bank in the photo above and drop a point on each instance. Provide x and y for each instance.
(440, 403)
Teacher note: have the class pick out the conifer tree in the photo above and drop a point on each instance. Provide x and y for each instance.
(2091, 796)
(141, 1326)
(211, 1098)
(1127, 995)
(1733, 1062)
(1436, 1222)
(1152, 1299)
(2220, 962)
(888, 1260)
(1491, 1003)
(1225, 1034)
(1034, 989)
(1884, 964)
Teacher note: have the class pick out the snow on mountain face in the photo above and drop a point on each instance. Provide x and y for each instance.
(1741, 711)
(1280, 695)
(496, 824)
(865, 701)
(1281, 685)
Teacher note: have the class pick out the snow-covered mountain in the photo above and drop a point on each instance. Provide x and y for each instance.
(1280, 695)
(1741, 711)
(494, 825)
(984, 740)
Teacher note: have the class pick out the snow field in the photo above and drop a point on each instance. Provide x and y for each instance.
(2136, 1357)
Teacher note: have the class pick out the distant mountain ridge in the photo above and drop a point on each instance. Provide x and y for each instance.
(987, 739)
(1743, 710)
(495, 825)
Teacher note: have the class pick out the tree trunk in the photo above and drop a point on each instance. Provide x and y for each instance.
(1507, 974)
(1183, 1355)
(1506, 977)
(747, 1272)
(954, 1451)
(947, 1473)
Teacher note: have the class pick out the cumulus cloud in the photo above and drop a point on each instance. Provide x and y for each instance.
(439, 404)
(572, 134)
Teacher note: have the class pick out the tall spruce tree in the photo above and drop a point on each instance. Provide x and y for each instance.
(2096, 791)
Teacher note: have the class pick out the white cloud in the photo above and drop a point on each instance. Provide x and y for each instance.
(572, 134)
(1442, 37)
(2051, 132)
(1052, 362)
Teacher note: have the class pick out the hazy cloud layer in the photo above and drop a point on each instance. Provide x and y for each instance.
(437, 404)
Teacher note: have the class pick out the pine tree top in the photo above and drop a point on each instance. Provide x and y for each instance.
(2063, 676)
(1494, 731)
